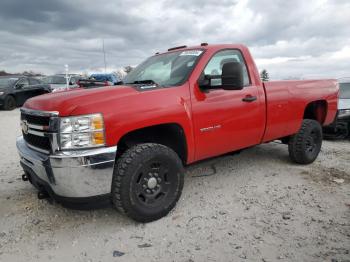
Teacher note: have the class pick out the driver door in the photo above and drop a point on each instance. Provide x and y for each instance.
(21, 91)
(225, 120)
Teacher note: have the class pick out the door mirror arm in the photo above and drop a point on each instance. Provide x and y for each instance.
(204, 81)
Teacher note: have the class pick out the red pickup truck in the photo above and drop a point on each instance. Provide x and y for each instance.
(128, 144)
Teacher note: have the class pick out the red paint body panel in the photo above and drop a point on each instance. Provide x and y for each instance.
(214, 121)
(287, 100)
(241, 124)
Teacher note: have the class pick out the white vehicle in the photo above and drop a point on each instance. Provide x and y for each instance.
(340, 128)
(58, 82)
(344, 97)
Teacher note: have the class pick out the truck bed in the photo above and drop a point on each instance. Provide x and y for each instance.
(286, 102)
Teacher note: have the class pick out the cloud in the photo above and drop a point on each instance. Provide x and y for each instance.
(288, 38)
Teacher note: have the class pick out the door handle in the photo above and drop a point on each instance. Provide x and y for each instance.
(249, 98)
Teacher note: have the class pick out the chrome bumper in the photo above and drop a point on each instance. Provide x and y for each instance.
(73, 174)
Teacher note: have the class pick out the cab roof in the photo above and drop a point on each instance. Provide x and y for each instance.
(203, 46)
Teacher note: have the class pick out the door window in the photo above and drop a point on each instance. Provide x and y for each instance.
(23, 83)
(34, 81)
(214, 67)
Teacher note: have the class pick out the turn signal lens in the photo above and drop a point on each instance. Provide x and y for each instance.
(98, 138)
(97, 122)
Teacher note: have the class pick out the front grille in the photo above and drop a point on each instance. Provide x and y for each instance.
(36, 120)
(39, 129)
(37, 141)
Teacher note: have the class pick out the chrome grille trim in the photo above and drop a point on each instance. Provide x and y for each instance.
(38, 127)
(49, 131)
(38, 112)
(36, 133)
(38, 149)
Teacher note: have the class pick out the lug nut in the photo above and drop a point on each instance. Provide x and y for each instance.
(159, 180)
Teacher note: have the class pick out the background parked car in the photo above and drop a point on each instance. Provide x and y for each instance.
(113, 78)
(58, 82)
(15, 90)
(92, 83)
(340, 128)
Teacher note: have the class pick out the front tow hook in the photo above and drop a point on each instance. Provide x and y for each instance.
(43, 195)
(25, 177)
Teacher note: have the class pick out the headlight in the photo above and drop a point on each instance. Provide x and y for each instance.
(344, 112)
(82, 131)
(1, 93)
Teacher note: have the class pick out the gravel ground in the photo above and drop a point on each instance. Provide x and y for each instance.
(253, 206)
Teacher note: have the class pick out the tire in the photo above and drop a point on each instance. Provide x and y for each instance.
(9, 103)
(147, 182)
(305, 145)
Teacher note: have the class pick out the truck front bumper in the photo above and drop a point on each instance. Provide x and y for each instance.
(71, 175)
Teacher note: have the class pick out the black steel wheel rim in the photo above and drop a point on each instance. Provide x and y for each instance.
(313, 141)
(154, 182)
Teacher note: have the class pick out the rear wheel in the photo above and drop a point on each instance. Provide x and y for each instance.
(9, 103)
(305, 146)
(147, 182)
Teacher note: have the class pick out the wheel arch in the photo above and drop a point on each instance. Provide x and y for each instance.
(316, 110)
(13, 95)
(171, 135)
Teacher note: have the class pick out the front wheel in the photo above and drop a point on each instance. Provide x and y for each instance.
(147, 182)
(305, 145)
(9, 103)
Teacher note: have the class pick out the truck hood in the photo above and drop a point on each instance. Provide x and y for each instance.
(344, 103)
(66, 102)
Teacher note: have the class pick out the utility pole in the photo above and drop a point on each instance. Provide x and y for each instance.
(104, 54)
(67, 77)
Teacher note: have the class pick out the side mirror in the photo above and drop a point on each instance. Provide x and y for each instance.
(232, 76)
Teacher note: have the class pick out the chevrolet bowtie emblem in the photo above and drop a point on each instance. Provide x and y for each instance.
(25, 127)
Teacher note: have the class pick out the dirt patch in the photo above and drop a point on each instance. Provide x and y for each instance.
(328, 175)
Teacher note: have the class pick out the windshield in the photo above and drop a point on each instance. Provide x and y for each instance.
(54, 80)
(170, 69)
(5, 82)
(344, 90)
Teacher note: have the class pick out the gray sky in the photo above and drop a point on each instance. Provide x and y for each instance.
(289, 38)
